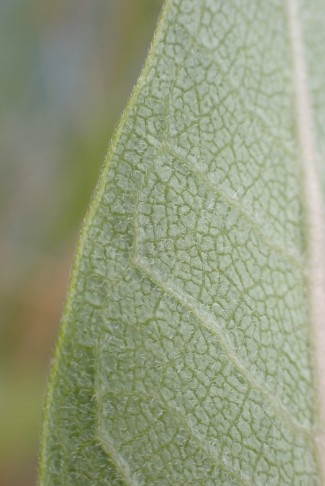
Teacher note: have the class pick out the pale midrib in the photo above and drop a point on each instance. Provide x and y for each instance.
(314, 218)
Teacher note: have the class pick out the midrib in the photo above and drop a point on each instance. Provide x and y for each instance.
(314, 220)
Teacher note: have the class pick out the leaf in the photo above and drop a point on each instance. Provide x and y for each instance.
(190, 349)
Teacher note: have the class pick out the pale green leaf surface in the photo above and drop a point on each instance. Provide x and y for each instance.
(186, 351)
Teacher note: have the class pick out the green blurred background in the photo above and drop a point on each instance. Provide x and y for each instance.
(66, 71)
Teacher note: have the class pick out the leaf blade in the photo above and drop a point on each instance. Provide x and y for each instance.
(187, 342)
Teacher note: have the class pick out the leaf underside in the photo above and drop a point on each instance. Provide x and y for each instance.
(186, 351)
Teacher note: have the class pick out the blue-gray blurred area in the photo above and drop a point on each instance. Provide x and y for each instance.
(67, 68)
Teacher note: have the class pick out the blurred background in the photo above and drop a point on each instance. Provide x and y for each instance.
(67, 68)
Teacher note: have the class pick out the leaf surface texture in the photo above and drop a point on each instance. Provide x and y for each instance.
(186, 354)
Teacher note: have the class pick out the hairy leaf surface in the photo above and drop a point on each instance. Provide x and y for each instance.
(189, 350)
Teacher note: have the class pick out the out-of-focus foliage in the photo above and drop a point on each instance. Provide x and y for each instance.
(67, 68)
